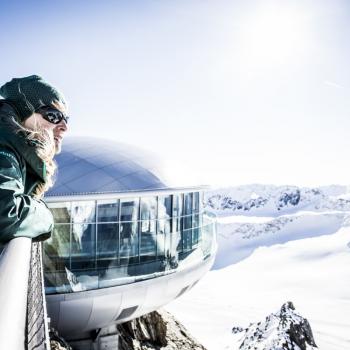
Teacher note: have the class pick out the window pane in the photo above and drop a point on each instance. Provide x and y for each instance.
(177, 211)
(196, 229)
(61, 212)
(148, 229)
(148, 209)
(108, 211)
(164, 234)
(83, 212)
(164, 228)
(164, 207)
(129, 209)
(83, 246)
(187, 240)
(200, 201)
(148, 241)
(57, 248)
(163, 225)
(107, 244)
(196, 202)
(188, 211)
(129, 242)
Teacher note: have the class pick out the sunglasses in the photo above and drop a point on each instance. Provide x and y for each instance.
(52, 115)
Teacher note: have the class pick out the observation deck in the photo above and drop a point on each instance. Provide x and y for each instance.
(126, 239)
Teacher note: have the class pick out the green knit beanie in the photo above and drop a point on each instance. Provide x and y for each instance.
(28, 94)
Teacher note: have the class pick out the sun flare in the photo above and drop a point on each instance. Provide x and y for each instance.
(274, 35)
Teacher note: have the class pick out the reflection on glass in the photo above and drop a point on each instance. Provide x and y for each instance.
(56, 282)
(164, 227)
(132, 237)
(83, 246)
(188, 210)
(186, 227)
(83, 212)
(129, 243)
(148, 212)
(148, 244)
(129, 209)
(61, 212)
(164, 207)
(108, 210)
(129, 238)
(107, 244)
(56, 253)
(187, 239)
(196, 205)
(196, 229)
(177, 211)
(57, 247)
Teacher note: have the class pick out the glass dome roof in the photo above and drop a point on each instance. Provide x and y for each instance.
(93, 165)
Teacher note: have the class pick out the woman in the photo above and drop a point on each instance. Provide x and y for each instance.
(33, 122)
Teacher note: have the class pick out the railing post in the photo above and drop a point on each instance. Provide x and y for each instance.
(14, 274)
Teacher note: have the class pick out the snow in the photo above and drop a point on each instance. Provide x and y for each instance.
(283, 329)
(267, 200)
(243, 219)
(303, 257)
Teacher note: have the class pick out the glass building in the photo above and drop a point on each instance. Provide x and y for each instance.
(120, 226)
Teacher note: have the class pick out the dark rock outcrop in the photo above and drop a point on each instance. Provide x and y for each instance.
(157, 330)
(283, 330)
(57, 342)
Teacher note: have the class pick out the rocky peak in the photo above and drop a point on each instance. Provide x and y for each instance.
(283, 330)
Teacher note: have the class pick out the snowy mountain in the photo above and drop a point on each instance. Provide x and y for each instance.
(298, 251)
(260, 215)
(269, 200)
(282, 330)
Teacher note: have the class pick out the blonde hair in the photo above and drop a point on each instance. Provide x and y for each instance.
(44, 147)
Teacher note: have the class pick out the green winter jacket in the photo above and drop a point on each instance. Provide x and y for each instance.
(21, 170)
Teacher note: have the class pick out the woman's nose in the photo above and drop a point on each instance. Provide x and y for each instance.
(62, 125)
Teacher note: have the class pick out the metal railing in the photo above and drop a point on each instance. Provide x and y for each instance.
(37, 325)
(23, 318)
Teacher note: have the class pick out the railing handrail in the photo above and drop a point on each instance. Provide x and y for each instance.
(14, 274)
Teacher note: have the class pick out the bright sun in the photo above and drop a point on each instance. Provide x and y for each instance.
(273, 35)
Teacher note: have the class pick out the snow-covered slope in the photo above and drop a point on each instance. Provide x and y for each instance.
(237, 240)
(268, 256)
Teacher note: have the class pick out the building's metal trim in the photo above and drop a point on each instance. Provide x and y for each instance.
(111, 195)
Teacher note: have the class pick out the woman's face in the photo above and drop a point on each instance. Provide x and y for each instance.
(37, 122)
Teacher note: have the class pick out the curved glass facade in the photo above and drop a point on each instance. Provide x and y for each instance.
(104, 243)
(93, 165)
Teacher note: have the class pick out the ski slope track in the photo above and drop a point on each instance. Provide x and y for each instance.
(297, 251)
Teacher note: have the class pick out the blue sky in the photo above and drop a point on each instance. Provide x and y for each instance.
(236, 91)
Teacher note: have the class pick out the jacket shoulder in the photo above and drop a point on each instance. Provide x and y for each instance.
(9, 154)
(11, 163)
